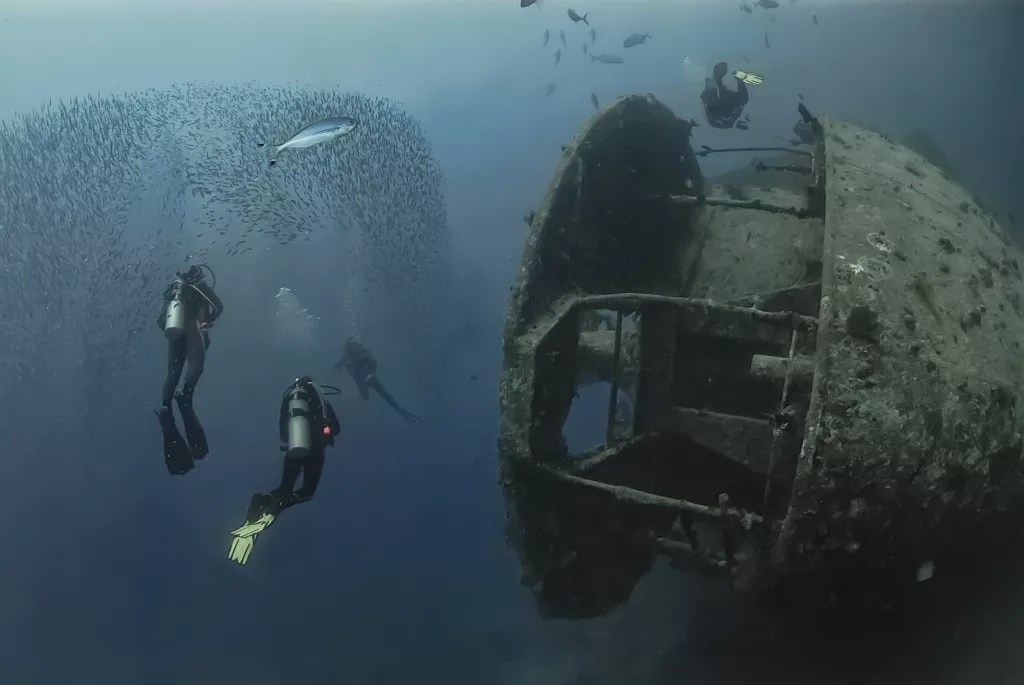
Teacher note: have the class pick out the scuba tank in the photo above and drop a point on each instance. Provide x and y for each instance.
(302, 418)
(175, 310)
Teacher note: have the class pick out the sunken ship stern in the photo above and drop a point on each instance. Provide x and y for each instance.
(772, 413)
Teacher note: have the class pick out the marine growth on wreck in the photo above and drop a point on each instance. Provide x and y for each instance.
(822, 373)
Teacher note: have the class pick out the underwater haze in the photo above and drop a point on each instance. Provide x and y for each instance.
(128, 151)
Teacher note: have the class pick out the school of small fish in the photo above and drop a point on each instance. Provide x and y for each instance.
(103, 198)
(635, 39)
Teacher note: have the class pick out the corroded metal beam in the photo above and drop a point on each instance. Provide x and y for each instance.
(742, 439)
(760, 205)
(633, 496)
(708, 151)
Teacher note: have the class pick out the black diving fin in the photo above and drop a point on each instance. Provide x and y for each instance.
(177, 456)
(193, 428)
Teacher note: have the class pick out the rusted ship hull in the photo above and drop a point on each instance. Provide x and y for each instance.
(823, 382)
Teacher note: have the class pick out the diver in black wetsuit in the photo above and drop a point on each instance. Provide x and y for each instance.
(723, 107)
(362, 367)
(190, 308)
(307, 426)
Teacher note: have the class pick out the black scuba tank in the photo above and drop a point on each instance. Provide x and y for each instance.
(175, 310)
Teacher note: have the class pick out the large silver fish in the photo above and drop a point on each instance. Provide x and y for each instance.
(606, 59)
(322, 131)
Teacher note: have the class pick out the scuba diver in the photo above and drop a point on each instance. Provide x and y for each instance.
(361, 365)
(307, 425)
(723, 107)
(190, 308)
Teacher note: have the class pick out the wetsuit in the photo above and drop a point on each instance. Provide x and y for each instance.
(723, 107)
(325, 426)
(204, 309)
(362, 367)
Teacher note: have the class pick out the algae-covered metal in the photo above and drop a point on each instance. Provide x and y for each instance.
(822, 381)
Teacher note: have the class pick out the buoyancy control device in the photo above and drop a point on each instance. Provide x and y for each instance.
(303, 424)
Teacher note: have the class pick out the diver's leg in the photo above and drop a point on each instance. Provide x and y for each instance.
(195, 351)
(289, 476)
(177, 455)
(364, 390)
(284, 496)
(175, 363)
(311, 476)
(386, 396)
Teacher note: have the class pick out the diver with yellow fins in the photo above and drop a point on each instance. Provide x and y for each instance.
(190, 309)
(724, 107)
(307, 425)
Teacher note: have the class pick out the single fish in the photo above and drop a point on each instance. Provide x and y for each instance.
(800, 95)
(814, 17)
(550, 89)
(322, 131)
(607, 59)
(635, 39)
(766, 41)
(528, 218)
(767, 4)
(547, 37)
(593, 36)
(745, 59)
(558, 56)
(584, 48)
(746, 8)
(528, 3)
(593, 99)
(577, 18)
(561, 35)
(772, 17)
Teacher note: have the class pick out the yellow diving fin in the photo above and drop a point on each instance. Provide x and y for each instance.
(241, 548)
(749, 77)
(257, 526)
(245, 538)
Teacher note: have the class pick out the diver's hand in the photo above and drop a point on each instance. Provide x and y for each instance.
(410, 417)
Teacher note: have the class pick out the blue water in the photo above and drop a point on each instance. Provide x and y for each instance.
(397, 572)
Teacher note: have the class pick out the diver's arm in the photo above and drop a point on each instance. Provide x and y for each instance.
(332, 418)
(340, 366)
(207, 292)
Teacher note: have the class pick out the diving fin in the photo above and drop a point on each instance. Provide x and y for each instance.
(245, 536)
(177, 456)
(241, 548)
(249, 530)
(193, 428)
(749, 77)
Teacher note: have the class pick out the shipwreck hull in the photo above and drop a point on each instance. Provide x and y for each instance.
(823, 382)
